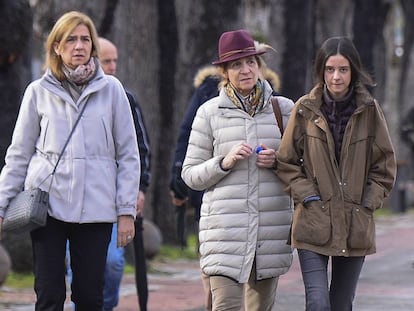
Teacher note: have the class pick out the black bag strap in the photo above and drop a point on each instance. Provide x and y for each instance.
(278, 114)
(63, 149)
(67, 140)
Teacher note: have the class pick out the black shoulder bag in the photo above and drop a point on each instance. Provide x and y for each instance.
(28, 209)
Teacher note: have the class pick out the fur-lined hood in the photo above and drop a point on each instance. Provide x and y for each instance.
(205, 72)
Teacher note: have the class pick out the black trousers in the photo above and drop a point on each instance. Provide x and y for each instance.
(140, 265)
(88, 245)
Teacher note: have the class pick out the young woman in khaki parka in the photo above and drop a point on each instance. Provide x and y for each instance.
(337, 161)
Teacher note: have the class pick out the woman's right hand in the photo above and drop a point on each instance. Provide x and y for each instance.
(238, 152)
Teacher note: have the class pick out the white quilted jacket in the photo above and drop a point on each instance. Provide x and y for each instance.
(245, 215)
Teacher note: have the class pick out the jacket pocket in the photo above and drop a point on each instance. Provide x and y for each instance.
(312, 224)
(362, 228)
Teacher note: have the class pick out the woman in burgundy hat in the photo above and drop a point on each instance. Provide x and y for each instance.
(245, 215)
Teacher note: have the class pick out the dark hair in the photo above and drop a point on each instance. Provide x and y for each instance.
(342, 46)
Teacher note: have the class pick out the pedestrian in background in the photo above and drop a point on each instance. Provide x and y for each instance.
(337, 161)
(115, 263)
(96, 182)
(245, 216)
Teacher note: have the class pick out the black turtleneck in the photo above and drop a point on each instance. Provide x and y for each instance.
(337, 114)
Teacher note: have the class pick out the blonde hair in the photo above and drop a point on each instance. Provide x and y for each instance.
(59, 33)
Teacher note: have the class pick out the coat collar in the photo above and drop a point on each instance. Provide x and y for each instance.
(49, 82)
(225, 102)
(314, 99)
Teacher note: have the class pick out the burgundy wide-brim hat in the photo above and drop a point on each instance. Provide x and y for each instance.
(234, 45)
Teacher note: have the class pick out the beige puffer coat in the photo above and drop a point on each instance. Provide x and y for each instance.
(245, 215)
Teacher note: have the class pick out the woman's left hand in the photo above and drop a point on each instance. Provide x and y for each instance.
(266, 158)
(126, 230)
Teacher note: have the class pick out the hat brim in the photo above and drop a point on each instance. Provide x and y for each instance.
(237, 56)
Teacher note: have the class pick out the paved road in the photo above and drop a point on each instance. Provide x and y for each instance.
(386, 282)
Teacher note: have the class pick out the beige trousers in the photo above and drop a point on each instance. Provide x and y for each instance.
(228, 295)
(206, 284)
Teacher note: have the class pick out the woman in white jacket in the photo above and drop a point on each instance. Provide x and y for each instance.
(97, 179)
(245, 215)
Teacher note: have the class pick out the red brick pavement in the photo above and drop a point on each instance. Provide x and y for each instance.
(176, 286)
(386, 282)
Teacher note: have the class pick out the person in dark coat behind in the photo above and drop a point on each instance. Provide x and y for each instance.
(206, 86)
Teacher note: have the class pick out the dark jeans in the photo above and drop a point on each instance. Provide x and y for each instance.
(140, 266)
(344, 278)
(88, 245)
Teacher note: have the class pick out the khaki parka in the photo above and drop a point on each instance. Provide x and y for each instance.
(351, 190)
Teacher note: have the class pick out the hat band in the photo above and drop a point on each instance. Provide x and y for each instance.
(231, 53)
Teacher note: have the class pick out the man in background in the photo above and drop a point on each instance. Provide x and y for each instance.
(108, 57)
(115, 261)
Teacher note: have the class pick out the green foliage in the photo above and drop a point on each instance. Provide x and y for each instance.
(382, 212)
(167, 253)
(129, 269)
(19, 280)
(170, 252)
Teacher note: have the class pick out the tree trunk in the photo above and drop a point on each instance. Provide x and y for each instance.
(15, 73)
(15, 61)
(298, 55)
(370, 16)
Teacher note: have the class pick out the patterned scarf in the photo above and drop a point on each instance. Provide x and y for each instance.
(77, 79)
(251, 103)
(81, 74)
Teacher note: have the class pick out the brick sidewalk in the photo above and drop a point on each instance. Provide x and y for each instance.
(173, 286)
(386, 282)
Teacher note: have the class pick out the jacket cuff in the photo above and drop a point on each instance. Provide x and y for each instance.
(311, 198)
